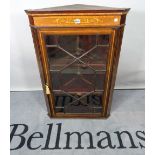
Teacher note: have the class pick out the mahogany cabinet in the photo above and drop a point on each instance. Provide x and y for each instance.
(77, 49)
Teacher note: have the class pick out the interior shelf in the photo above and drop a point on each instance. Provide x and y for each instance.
(58, 64)
(75, 84)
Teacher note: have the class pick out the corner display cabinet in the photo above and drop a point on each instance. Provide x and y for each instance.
(77, 49)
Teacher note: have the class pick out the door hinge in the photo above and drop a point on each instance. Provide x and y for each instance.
(47, 89)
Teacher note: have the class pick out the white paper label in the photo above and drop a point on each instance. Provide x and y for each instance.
(115, 19)
(77, 21)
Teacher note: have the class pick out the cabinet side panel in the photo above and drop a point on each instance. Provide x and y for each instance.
(39, 62)
(117, 49)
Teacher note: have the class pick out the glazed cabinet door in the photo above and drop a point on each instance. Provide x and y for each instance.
(77, 62)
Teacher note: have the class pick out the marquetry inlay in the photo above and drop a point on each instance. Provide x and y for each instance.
(77, 21)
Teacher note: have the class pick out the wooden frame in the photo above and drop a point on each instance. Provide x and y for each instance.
(41, 24)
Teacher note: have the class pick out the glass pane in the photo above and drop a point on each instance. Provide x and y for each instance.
(102, 39)
(96, 58)
(75, 78)
(78, 68)
(71, 103)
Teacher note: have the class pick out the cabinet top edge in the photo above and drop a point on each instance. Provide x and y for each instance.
(77, 8)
